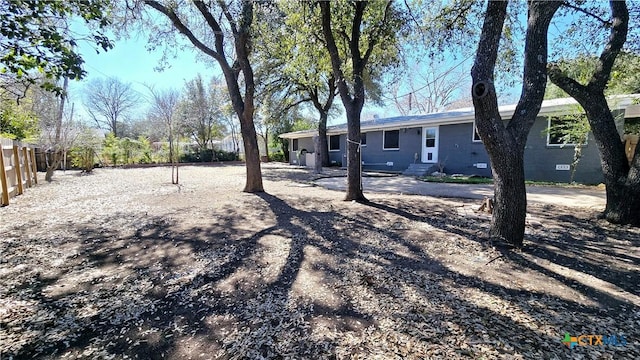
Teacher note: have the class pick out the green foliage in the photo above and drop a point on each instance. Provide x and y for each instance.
(278, 156)
(226, 155)
(451, 30)
(289, 124)
(625, 75)
(383, 27)
(111, 150)
(35, 36)
(457, 179)
(632, 126)
(85, 150)
(144, 150)
(572, 129)
(208, 156)
(18, 123)
(201, 110)
(126, 150)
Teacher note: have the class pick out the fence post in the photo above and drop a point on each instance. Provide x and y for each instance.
(25, 156)
(16, 161)
(34, 167)
(630, 146)
(3, 178)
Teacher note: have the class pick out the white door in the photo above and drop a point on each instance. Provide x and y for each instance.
(430, 145)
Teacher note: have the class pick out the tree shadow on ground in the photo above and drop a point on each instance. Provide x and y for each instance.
(278, 277)
(589, 253)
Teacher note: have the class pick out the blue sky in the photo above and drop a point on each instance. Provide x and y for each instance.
(132, 63)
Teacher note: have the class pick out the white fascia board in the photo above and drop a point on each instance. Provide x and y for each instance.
(461, 116)
(298, 134)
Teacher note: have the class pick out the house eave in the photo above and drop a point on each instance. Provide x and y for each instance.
(467, 115)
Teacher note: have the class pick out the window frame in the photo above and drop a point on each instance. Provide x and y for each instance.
(560, 145)
(334, 150)
(363, 136)
(295, 144)
(384, 140)
(474, 132)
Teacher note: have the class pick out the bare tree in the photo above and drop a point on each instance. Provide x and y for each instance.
(57, 129)
(222, 30)
(233, 129)
(109, 101)
(426, 89)
(201, 111)
(163, 110)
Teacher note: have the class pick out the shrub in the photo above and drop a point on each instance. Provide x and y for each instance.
(277, 156)
(226, 155)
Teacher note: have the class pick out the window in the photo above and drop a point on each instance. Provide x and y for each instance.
(391, 140)
(295, 145)
(334, 143)
(476, 136)
(567, 131)
(430, 138)
(363, 139)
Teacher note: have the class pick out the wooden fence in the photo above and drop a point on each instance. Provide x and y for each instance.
(631, 141)
(17, 169)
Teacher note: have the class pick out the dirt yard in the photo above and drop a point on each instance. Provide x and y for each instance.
(122, 264)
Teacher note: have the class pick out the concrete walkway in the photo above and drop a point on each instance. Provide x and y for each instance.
(565, 196)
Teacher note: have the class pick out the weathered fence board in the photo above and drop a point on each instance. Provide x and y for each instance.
(631, 141)
(17, 169)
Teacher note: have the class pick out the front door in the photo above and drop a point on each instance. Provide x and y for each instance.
(430, 145)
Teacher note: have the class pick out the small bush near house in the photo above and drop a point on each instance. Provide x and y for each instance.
(83, 158)
(226, 155)
(189, 157)
(277, 156)
(84, 153)
(208, 156)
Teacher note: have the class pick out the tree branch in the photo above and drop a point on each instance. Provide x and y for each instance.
(579, 9)
(334, 55)
(618, 36)
(570, 86)
(183, 29)
(376, 37)
(213, 24)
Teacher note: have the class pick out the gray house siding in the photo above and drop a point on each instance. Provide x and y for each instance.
(540, 159)
(375, 157)
(338, 157)
(460, 154)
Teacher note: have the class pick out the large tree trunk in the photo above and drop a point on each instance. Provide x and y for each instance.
(354, 159)
(621, 179)
(353, 103)
(240, 26)
(322, 134)
(510, 202)
(323, 110)
(505, 144)
(251, 152)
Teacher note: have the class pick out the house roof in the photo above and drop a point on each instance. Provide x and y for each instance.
(459, 116)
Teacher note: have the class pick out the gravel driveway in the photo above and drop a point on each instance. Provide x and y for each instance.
(591, 197)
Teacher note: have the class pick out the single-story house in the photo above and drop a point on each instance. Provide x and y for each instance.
(448, 141)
